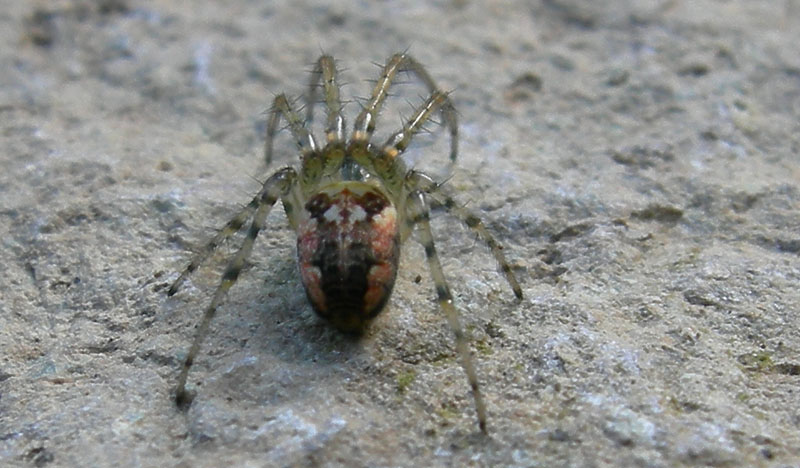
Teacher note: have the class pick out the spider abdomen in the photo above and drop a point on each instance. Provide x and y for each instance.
(348, 248)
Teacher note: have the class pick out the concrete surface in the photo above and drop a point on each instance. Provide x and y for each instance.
(638, 159)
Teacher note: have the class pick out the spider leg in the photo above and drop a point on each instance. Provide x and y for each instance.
(398, 142)
(304, 139)
(419, 215)
(365, 122)
(420, 181)
(325, 70)
(231, 227)
(385, 162)
(278, 185)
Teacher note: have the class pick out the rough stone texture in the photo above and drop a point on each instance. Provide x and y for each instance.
(638, 159)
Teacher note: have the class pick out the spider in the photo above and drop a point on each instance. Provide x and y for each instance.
(351, 203)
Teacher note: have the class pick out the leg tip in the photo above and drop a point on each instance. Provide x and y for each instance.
(175, 286)
(183, 399)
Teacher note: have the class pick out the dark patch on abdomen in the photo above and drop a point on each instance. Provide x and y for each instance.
(344, 283)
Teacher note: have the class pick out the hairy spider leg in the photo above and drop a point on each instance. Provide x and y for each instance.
(314, 163)
(419, 215)
(398, 142)
(419, 180)
(307, 145)
(305, 140)
(365, 122)
(325, 70)
(277, 186)
(231, 227)
(392, 170)
(385, 163)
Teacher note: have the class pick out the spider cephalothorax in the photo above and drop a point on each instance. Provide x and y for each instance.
(352, 204)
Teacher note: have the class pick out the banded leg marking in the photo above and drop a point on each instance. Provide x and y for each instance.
(420, 181)
(232, 227)
(276, 186)
(418, 213)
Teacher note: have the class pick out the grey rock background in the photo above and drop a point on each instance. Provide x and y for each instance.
(638, 159)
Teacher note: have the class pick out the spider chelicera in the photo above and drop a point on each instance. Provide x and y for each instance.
(351, 203)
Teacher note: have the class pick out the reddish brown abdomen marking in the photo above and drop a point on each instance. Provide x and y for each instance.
(348, 250)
